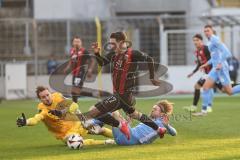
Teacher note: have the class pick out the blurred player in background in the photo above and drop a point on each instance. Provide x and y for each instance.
(220, 69)
(233, 68)
(81, 64)
(202, 56)
(143, 134)
(64, 127)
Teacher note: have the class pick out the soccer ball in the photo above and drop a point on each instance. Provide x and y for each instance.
(75, 141)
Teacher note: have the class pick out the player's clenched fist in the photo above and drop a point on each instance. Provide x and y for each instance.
(95, 48)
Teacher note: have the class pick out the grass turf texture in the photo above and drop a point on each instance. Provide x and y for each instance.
(216, 136)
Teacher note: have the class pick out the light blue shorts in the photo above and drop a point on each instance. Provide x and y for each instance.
(121, 139)
(221, 76)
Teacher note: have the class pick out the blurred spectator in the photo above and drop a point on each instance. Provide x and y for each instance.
(233, 68)
(51, 64)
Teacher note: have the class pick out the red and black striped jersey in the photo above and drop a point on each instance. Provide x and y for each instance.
(202, 56)
(125, 67)
(78, 58)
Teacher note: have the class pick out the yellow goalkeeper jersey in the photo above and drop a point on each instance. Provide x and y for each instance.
(60, 127)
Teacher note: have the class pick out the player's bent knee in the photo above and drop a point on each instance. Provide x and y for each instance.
(93, 112)
(229, 93)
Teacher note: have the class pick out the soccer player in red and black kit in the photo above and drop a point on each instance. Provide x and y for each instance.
(202, 56)
(124, 63)
(79, 58)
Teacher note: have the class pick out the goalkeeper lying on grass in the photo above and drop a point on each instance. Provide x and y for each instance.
(65, 126)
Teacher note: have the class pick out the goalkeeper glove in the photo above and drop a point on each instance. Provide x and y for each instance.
(21, 121)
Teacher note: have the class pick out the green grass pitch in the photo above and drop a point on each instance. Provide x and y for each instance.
(215, 137)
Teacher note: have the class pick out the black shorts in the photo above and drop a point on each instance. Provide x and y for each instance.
(115, 102)
(202, 80)
(77, 81)
(219, 85)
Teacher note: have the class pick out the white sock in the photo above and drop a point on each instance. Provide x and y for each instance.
(120, 125)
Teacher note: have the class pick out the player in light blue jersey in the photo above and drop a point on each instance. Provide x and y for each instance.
(142, 134)
(220, 69)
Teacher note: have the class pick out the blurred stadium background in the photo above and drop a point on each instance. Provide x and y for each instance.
(34, 33)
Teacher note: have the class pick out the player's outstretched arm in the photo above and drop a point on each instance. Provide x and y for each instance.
(154, 81)
(140, 56)
(195, 70)
(22, 121)
(171, 130)
(101, 60)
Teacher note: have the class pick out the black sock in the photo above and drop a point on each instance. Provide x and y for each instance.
(110, 120)
(196, 97)
(146, 120)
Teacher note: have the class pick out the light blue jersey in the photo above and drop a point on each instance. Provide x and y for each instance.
(219, 55)
(219, 52)
(141, 134)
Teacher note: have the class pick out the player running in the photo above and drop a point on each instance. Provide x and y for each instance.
(143, 134)
(67, 125)
(124, 61)
(202, 56)
(220, 69)
(79, 58)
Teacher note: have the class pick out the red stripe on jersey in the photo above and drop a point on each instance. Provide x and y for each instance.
(115, 73)
(78, 54)
(124, 72)
(201, 56)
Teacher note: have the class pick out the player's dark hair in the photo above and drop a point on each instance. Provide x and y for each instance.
(119, 36)
(76, 37)
(198, 36)
(39, 89)
(208, 26)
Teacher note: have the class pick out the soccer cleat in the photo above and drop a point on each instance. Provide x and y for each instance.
(88, 124)
(124, 129)
(199, 114)
(161, 132)
(190, 108)
(209, 109)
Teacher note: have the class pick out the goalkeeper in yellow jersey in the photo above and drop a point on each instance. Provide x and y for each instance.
(65, 126)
